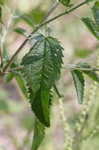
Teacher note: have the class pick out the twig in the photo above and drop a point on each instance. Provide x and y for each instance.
(70, 68)
(5, 30)
(37, 28)
(57, 92)
(16, 69)
(50, 11)
(1, 57)
(84, 69)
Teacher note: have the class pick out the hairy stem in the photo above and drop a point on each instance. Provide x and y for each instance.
(37, 28)
(68, 139)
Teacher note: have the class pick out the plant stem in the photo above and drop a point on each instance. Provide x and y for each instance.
(84, 69)
(37, 28)
(57, 92)
(50, 11)
(68, 139)
(1, 57)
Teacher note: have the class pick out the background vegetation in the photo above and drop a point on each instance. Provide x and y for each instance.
(16, 118)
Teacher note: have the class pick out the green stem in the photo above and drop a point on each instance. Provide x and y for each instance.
(37, 28)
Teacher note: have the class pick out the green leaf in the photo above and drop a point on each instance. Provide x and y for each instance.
(37, 14)
(26, 18)
(39, 133)
(65, 2)
(40, 106)
(9, 77)
(91, 26)
(41, 69)
(79, 84)
(33, 17)
(91, 73)
(21, 31)
(96, 12)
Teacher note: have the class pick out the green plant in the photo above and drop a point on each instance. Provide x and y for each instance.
(40, 68)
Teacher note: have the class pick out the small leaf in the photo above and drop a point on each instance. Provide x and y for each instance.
(91, 26)
(33, 17)
(21, 31)
(39, 133)
(22, 84)
(96, 12)
(91, 73)
(26, 18)
(9, 77)
(37, 14)
(65, 2)
(79, 84)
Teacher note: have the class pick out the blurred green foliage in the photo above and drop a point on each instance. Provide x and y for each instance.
(82, 53)
(9, 107)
